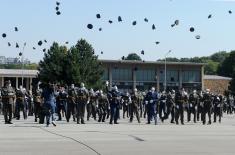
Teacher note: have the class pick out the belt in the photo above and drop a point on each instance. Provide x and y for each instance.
(7, 96)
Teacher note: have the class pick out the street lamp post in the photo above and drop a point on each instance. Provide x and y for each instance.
(165, 80)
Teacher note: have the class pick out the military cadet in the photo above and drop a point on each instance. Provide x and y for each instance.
(92, 105)
(125, 100)
(8, 97)
(180, 101)
(207, 106)
(21, 103)
(192, 106)
(114, 101)
(61, 102)
(141, 103)
(29, 98)
(151, 100)
(82, 100)
(200, 106)
(134, 106)
(48, 96)
(71, 103)
(217, 107)
(37, 99)
(103, 104)
(170, 104)
(162, 106)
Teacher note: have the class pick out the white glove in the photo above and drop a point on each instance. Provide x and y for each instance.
(151, 101)
(146, 102)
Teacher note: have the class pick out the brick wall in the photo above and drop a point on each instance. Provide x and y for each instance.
(216, 86)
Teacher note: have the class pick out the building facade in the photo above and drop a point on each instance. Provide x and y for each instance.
(143, 75)
(130, 74)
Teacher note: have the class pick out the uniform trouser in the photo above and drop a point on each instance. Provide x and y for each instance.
(192, 110)
(61, 107)
(152, 113)
(31, 108)
(37, 109)
(70, 111)
(162, 111)
(141, 109)
(91, 110)
(199, 111)
(217, 112)
(206, 110)
(145, 110)
(125, 110)
(114, 113)
(101, 113)
(21, 106)
(134, 110)
(170, 110)
(81, 106)
(7, 111)
(179, 113)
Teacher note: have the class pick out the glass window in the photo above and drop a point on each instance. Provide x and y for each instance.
(191, 76)
(121, 74)
(146, 75)
(105, 75)
(171, 76)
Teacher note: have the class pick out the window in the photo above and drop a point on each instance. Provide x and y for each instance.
(171, 76)
(191, 76)
(121, 74)
(146, 75)
(105, 75)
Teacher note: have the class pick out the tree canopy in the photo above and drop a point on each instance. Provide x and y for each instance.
(133, 56)
(71, 66)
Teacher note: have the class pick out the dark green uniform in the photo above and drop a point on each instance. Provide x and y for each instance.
(81, 104)
(134, 107)
(8, 96)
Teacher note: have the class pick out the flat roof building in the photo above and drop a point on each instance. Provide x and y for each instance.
(127, 74)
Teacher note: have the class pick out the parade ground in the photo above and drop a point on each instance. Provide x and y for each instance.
(25, 137)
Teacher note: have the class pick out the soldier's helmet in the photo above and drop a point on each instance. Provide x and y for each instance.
(135, 90)
(152, 89)
(194, 91)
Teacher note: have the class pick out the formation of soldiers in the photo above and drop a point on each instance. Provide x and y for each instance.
(71, 103)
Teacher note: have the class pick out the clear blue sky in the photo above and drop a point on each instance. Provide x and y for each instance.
(37, 20)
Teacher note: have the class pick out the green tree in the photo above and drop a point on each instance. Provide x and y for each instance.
(133, 56)
(232, 84)
(227, 67)
(219, 56)
(52, 67)
(211, 67)
(76, 65)
(83, 65)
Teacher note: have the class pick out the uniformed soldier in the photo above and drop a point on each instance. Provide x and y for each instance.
(193, 106)
(82, 100)
(71, 103)
(125, 100)
(37, 103)
(8, 97)
(151, 100)
(134, 106)
(162, 106)
(200, 106)
(114, 97)
(61, 103)
(217, 107)
(207, 106)
(92, 105)
(103, 105)
(21, 103)
(170, 103)
(29, 98)
(180, 101)
(141, 103)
